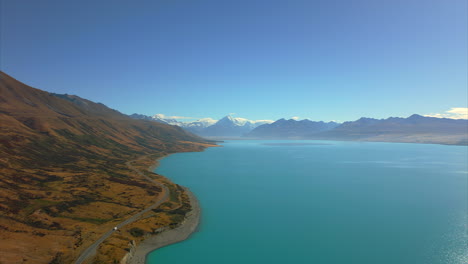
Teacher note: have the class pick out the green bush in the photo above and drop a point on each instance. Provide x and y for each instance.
(136, 232)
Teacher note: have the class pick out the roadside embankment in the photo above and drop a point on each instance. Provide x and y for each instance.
(138, 253)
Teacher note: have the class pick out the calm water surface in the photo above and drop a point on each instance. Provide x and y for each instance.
(332, 202)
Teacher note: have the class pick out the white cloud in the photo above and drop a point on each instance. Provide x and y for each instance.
(295, 117)
(453, 113)
(459, 111)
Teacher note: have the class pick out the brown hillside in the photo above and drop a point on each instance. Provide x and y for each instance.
(63, 172)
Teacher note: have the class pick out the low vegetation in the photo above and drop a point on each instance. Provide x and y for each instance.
(64, 179)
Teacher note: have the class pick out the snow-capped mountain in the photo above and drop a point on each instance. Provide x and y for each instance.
(163, 119)
(414, 129)
(227, 126)
(200, 123)
(239, 121)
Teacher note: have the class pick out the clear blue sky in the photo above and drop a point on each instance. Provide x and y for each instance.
(324, 60)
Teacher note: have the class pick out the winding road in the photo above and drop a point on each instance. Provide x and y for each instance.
(91, 250)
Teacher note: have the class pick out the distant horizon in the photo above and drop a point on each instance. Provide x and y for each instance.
(456, 114)
(452, 113)
(82, 180)
(320, 60)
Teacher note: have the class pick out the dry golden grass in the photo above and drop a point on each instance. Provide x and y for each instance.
(66, 234)
(64, 179)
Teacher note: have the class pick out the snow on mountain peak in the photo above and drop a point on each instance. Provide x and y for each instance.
(159, 116)
(240, 121)
(207, 121)
(261, 122)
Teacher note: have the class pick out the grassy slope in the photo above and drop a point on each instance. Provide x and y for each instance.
(63, 177)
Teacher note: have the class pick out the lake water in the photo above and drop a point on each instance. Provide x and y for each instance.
(331, 202)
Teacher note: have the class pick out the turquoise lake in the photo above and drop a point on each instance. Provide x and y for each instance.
(323, 202)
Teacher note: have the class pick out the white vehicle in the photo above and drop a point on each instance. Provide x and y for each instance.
(115, 228)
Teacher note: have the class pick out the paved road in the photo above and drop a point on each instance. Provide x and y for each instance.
(91, 250)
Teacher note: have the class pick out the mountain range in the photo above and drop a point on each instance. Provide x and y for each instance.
(414, 129)
(227, 126)
(64, 178)
(290, 129)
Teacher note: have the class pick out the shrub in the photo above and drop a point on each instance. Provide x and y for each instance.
(136, 232)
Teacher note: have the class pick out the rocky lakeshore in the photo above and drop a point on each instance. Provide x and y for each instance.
(138, 253)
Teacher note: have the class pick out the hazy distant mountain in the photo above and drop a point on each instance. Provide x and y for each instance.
(290, 129)
(166, 120)
(197, 126)
(138, 116)
(200, 123)
(228, 126)
(416, 128)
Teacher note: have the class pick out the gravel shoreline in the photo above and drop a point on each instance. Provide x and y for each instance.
(139, 252)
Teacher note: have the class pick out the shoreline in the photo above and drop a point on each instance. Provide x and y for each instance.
(138, 253)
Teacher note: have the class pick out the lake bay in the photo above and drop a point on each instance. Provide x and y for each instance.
(323, 202)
